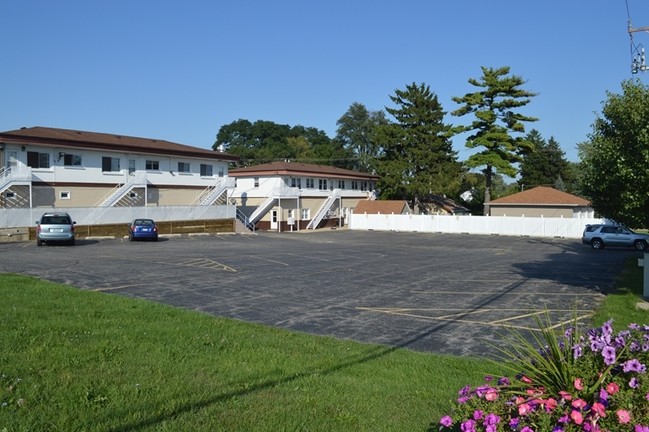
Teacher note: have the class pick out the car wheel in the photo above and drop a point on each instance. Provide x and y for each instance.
(597, 244)
(640, 245)
(71, 243)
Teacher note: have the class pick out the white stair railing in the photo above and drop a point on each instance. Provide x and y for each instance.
(136, 179)
(324, 209)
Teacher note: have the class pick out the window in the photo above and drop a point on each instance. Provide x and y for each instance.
(183, 167)
(10, 195)
(152, 165)
(64, 195)
(296, 182)
(354, 184)
(322, 184)
(289, 213)
(38, 160)
(256, 181)
(109, 164)
(363, 186)
(341, 184)
(310, 183)
(71, 160)
(206, 170)
(221, 172)
(306, 213)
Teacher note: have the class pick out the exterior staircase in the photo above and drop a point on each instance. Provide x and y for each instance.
(137, 179)
(324, 209)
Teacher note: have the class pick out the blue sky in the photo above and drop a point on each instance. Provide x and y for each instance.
(180, 70)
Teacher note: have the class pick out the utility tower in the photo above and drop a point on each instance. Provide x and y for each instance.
(638, 63)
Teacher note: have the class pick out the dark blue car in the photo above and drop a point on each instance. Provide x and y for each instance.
(143, 229)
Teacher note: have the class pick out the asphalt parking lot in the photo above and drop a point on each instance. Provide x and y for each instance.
(441, 293)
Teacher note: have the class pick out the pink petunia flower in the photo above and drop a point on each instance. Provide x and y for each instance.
(599, 409)
(579, 403)
(577, 417)
(578, 385)
(623, 416)
(446, 421)
(565, 395)
(612, 388)
(491, 395)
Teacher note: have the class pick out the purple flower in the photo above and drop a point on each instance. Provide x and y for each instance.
(527, 429)
(641, 428)
(609, 355)
(478, 415)
(504, 381)
(513, 423)
(557, 429)
(446, 421)
(634, 383)
(633, 365)
(492, 419)
(468, 426)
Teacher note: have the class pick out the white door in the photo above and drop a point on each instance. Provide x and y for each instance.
(273, 219)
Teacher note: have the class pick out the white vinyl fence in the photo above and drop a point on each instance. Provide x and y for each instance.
(501, 225)
(16, 218)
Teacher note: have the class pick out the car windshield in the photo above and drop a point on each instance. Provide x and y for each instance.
(143, 222)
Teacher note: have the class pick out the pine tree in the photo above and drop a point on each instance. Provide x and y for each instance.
(495, 122)
(418, 157)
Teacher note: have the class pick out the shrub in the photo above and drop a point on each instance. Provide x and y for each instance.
(593, 381)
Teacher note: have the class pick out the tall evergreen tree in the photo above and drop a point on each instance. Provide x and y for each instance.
(418, 158)
(546, 165)
(496, 120)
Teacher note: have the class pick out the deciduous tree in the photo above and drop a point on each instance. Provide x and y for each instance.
(357, 133)
(615, 161)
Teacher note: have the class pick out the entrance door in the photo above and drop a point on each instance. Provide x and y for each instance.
(131, 166)
(273, 219)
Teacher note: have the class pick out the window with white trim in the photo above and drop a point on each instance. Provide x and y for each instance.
(322, 184)
(256, 181)
(152, 165)
(71, 160)
(109, 164)
(183, 167)
(206, 170)
(64, 195)
(310, 183)
(38, 160)
(306, 214)
(341, 184)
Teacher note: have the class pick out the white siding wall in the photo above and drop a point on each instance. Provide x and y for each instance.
(91, 169)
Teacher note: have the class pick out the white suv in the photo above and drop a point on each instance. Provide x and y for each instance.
(599, 236)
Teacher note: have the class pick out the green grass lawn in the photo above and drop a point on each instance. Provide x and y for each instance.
(73, 360)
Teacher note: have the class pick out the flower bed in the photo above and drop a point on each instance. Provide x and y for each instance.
(594, 381)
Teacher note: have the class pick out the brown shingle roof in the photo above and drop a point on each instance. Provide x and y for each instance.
(542, 195)
(295, 169)
(103, 141)
(382, 207)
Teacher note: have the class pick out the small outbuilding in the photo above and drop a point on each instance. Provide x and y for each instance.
(382, 207)
(542, 201)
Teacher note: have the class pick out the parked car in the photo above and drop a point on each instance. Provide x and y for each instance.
(600, 236)
(55, 227)
(143, 229)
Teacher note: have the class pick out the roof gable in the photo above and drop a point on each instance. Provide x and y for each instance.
(382, 207)
(541, 195)
(103, 141)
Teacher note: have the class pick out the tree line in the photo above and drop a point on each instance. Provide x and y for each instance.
(409, 146)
